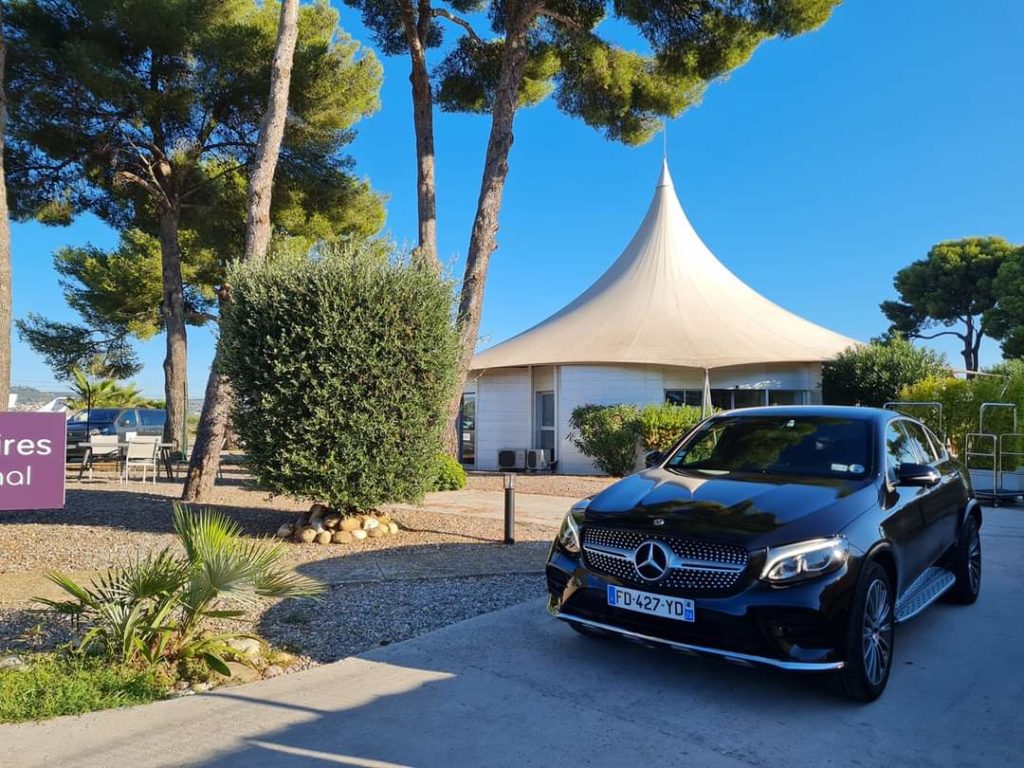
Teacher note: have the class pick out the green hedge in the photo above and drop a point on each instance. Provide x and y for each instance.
(449, 475)
(342, 366)
(962, 398)
(665, 423)
(611, 434)
(607, 434)
(876, 373)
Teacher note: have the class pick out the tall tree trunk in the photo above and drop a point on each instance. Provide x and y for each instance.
(5, 243)
(176, 359)
(202, 470)
(423, 126)
(483, 241)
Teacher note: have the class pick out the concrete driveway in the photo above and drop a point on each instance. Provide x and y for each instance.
(515, 688)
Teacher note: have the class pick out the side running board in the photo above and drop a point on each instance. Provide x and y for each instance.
(926, 589)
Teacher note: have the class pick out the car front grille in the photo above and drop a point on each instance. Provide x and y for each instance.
(701, 567)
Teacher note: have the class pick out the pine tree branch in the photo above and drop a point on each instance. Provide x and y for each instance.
(561, 18)
(445, 14)
(961, 336)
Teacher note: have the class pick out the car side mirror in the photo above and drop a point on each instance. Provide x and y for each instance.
(652, 458)
(919, 475)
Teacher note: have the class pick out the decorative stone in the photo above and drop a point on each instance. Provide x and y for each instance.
(305, 535)
(376, 533)
(11, 662)
(332, 521)
(245, 646)
(201, 687)
(358, 535)
(369, 523)
(324, 537)
(342, 537)
(393, 527)
(272, 671)
(351, 524)
(242, 673)
(383, 519)
(285, 531)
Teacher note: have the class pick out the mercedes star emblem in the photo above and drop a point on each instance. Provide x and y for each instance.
(651, 560)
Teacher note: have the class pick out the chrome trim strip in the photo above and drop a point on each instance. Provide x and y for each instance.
(675, 562)
(792, 666)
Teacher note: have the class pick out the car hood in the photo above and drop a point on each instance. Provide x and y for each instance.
(749, 510)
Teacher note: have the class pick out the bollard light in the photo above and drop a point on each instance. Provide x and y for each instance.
(510, 508)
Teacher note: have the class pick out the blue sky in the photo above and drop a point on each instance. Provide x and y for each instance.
(814, 173)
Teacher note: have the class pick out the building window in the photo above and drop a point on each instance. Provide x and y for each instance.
(728, 399)
(545, 420)
(785, 397)
(683, 397)
(467, 429)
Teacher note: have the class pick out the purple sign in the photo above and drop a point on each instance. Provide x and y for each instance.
(32, 455)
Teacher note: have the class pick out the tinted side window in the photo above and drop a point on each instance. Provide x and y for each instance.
(127, 419)
(920, 439)
(899, 450)
(938, 448)
(153, 418)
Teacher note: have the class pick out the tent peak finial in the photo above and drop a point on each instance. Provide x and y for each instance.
(665, 179)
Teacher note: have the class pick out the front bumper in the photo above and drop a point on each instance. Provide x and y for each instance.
(800, 627)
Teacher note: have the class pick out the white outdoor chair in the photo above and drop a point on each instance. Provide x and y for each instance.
(101, 448)
(142, 452)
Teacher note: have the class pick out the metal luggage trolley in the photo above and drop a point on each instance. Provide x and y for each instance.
(995, 460)
(933, 416)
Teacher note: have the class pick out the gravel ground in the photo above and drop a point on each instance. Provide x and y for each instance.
(576, 486)
(440, 569)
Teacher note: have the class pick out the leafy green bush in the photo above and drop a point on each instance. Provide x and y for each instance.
(450, 476)
(55, 684)
(342, 366)
(665, 423)
(961, 401)
(876, 373)
(608, 434)
(156, 609)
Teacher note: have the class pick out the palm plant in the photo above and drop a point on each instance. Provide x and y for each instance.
(156, 608)
(90, 392)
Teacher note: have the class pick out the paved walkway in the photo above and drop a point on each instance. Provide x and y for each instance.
(516, 688)
(530, 507)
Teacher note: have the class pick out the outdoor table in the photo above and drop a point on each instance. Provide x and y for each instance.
(166, 455)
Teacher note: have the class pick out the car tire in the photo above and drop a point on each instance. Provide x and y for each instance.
(869, 640)
(966, 565)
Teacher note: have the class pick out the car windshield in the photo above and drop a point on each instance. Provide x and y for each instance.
(815, 446)
(98, 416)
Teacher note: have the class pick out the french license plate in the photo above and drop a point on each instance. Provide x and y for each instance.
(677, 608)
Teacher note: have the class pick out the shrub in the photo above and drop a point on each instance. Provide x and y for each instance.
(876, 373)
(59, 684)
(961, 401)
(156, 609)
(450, 476)
(342, 366)
(665, 423)
(608, 434)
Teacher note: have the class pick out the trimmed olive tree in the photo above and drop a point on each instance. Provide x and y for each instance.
(342, 366)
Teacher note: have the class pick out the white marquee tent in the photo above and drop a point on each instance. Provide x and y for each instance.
(667, 321)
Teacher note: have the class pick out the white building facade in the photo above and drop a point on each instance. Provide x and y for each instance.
(666, 323)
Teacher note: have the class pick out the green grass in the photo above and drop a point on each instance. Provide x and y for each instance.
(59, 684)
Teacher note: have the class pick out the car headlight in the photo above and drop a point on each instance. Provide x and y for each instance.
(806, 560)
(569, 533)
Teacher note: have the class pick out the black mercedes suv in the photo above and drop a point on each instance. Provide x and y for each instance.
(793, 537)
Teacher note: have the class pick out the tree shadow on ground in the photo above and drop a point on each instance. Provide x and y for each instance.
(136, 508)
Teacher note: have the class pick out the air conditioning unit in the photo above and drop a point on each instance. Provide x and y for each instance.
(538, 459)
(512, 458)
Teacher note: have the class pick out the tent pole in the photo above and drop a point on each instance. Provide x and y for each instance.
(705, 400)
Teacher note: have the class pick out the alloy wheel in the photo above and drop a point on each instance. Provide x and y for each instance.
(877, 639)
(974, 560)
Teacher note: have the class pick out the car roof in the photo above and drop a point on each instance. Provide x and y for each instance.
(876, 415)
